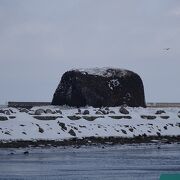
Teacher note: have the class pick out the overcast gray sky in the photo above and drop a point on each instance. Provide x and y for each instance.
(41, 39)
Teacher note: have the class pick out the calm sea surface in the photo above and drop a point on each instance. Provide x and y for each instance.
(126, 162)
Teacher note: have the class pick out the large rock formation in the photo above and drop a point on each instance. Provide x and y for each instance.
(100, 87)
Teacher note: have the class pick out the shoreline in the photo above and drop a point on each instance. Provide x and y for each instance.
(52, 126)
(88, 141)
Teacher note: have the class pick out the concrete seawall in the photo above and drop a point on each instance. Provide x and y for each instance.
(27, 105)
(31, 104)
(159, 105)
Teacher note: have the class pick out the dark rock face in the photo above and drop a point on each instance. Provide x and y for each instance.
(100, 87)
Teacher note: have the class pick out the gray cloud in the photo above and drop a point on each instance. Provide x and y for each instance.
(40, 39)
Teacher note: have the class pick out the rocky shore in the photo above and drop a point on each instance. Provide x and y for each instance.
(64, 126)
(89, 141)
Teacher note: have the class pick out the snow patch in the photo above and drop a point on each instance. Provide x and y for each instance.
(105, 71)
(113, 83)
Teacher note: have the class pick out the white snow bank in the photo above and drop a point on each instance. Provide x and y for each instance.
(24, 126)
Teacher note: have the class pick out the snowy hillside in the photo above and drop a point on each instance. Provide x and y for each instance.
(59, 123)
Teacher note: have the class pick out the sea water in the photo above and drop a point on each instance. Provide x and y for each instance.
(126, 162)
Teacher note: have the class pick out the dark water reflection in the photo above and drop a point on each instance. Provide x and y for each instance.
(127, 162)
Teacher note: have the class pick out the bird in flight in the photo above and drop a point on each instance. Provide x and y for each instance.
(167, 49)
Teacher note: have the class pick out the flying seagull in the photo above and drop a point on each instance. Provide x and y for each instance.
(167, 49)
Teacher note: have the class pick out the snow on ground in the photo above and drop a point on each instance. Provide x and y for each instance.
(59, 123)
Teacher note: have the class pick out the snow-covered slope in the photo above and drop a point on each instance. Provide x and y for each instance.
(59, 123)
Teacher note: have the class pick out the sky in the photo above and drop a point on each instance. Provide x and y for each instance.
(41, 39)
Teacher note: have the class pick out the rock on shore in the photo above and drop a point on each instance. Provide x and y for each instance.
(100, 87)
